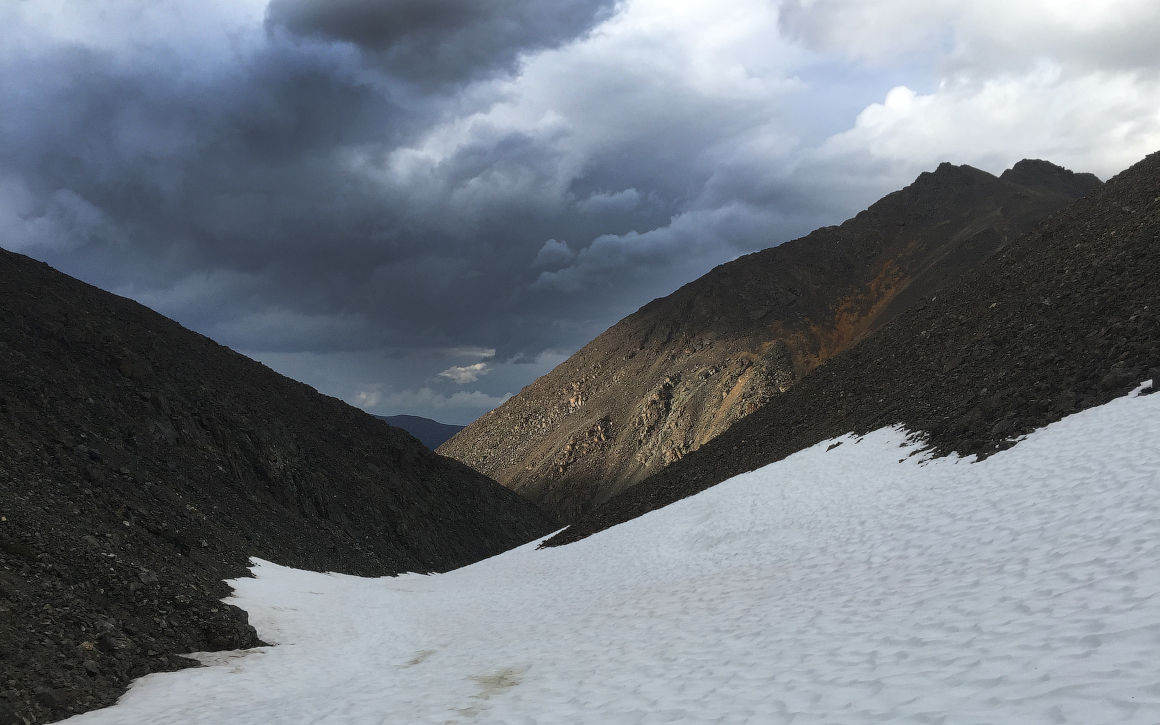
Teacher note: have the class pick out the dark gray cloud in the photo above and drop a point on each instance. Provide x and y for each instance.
(440, 41)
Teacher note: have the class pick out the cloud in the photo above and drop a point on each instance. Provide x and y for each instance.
(985, 35)
(1099, 122)
(604, 202)
(694, 240)
(358, 193)
(459, 406)
(554, 254)
(440, 40)
(465, 373)
(399, 380)
(193, 32)
(59, 221)
(279, 329)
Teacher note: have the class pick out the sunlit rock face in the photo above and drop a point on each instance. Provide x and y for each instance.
(674, 375)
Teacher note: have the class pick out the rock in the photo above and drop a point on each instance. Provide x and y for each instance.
(92, 667)
(1065, 402)
(48, 697)
(8, 717)
(18, 549)
(1154, 375)
(785, 298)
(106, 643)
(1117, 378)
(1000, 429)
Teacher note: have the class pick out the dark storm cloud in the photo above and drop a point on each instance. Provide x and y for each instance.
(295, 201)
(197, 174)
(228, 197)
(440, 40)
(419, 205)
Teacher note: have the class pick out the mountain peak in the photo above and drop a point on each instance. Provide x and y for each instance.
(947, 174)
(1036, 166)
(1044, 174)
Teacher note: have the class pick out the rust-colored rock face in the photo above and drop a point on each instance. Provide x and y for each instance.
(682, 369)
(1061, 320)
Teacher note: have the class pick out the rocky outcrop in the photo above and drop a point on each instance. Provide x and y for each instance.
(141, 463)
(674, 375)
(1064, 318)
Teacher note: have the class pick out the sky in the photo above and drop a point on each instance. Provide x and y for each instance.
(420, 206)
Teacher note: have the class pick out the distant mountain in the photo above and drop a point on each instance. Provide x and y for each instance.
(141, 464)
(1063, 319)
(677, 373)
(429, 432)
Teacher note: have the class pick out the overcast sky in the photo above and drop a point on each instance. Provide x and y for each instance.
(419, 206)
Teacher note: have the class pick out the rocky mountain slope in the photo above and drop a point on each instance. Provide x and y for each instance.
(430, 433)
(1063, 319)
(674, 375)
(141, 463)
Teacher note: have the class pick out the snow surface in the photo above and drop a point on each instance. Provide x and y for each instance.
(856, 584)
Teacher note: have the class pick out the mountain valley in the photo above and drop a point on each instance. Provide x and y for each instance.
(142, 464)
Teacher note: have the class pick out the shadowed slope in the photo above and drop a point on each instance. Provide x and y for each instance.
(141, 463)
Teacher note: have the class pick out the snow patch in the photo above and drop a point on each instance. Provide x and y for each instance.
(849, 584)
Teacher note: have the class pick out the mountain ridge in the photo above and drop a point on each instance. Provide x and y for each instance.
(1064, 319)
(682, 369)
(430, 433)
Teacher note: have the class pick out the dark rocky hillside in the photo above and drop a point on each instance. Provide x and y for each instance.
(141, 463)
(674, 375)
(430, 433)
(1065, 318)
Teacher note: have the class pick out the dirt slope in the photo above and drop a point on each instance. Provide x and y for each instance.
(141, 463)
(672, 376)
(1063, 319)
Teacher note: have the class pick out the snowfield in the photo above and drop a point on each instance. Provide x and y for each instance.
(859, 583)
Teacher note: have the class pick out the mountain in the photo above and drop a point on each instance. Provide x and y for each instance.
(141, 464)
(430, 433)
(1063, 319)
(672, 376)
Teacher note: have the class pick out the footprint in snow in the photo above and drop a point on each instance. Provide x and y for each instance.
(419, 657)
(490, 686)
